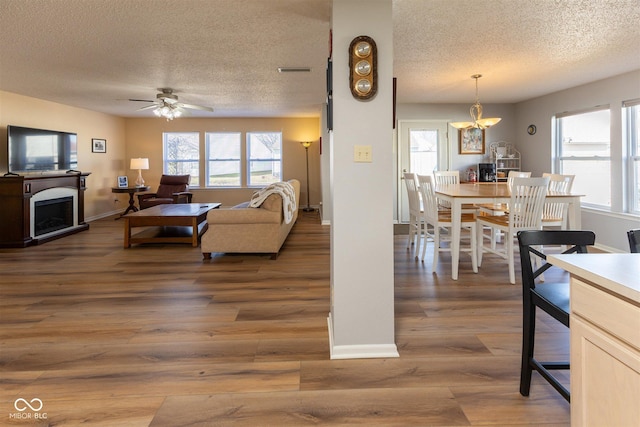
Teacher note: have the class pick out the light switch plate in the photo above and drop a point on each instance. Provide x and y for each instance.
(362, 154)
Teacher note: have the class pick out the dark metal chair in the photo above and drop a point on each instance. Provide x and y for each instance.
(634, 240)
(552, 297)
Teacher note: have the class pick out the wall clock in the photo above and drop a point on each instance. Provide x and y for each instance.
(531, 130)
(362, 65)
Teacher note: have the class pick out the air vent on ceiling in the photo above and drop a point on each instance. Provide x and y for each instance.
(294, 69)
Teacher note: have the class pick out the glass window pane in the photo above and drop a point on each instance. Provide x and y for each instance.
(423, 146)
(632, 115)
(264, 157)
(223, 159)
(586, 134)
(636, 187)
(595, 184)
(181, 151)
(582, 137)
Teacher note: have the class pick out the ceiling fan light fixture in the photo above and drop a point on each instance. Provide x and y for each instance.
(168, 106)
(476, 114)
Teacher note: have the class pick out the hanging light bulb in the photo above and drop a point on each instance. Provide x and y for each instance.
(476, 114)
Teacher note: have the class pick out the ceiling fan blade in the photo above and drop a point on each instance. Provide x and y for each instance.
(196, 107)
(140, 100)
(148, 107)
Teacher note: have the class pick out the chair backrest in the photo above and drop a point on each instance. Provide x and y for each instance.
(560, 184)
(170, 184)
(428, 193)
(516, 174)
(446, 177)
(527, 201)
(530, 240)
(411, 183)
(634, 240)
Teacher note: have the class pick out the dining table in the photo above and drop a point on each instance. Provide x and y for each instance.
(493, 192)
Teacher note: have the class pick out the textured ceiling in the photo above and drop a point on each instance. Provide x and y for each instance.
(225, 53)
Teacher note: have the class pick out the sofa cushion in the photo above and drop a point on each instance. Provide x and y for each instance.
(272, 203)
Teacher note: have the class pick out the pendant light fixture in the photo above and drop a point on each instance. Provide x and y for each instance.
(476, 114)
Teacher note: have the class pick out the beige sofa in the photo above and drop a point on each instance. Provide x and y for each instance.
(242, 229)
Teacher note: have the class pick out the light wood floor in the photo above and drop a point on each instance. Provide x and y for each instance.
(152, 335)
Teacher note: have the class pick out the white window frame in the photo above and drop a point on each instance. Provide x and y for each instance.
(209, 160)
(559, 157)
(181, 162)
(631, 126)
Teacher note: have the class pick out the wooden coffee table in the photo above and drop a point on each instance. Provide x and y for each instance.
(172, 223)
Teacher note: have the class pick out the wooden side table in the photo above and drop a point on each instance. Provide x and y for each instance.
(131, 191)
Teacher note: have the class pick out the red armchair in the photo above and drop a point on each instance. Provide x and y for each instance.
(172, 189)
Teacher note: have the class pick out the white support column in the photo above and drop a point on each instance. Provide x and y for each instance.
(361, 322)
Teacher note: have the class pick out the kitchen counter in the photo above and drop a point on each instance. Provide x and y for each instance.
(617, 273)
(605, 338)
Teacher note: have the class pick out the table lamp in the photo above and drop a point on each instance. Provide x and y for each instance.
(139, 164)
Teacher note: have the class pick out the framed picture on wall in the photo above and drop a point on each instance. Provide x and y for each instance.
(98, 145)
(471, 141)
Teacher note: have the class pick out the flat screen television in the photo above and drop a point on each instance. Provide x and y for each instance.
(40, 150)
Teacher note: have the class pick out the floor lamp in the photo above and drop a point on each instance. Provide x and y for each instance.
(306, 145)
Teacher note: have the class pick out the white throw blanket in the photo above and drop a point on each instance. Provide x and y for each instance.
(285, 190)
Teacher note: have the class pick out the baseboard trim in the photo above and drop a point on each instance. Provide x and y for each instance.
(360, 351)
(608, 249)
(102, 215)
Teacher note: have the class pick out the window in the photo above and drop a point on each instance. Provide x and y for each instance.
(223, 159)
(423, 150)
(181, 155)
(583, 149)
(631, 111)
(264, 157)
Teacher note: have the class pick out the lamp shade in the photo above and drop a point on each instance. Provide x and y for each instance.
(139, 163)
(306, 144)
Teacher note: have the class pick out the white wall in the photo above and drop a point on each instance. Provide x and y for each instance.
(361, 322)
(536, 150)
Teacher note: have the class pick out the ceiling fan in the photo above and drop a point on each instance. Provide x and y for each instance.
(167, 105)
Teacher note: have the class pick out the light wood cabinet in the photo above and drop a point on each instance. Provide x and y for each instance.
(605, 338)
(605, 358)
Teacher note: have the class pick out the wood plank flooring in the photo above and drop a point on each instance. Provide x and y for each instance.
(152, 335)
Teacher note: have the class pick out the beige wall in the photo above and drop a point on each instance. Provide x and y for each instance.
(128, 138)
(104, 167)
(144, 139)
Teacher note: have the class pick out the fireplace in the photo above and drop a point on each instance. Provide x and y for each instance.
(53, 211)
(58, 198)
(53, 215)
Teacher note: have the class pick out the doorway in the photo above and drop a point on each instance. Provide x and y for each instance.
(423, 148)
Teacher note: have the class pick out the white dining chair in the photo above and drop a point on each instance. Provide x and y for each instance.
(525, 213)
(451, 178)
(502, 208)
(415, 211)
(554, 213)
(440, 219)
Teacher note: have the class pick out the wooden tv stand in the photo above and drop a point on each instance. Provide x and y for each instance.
(16, 194)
